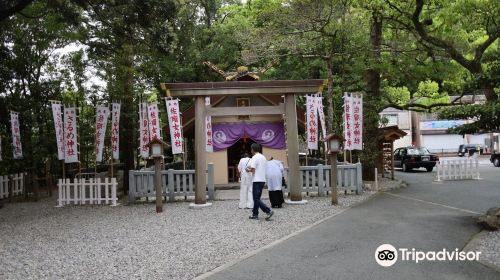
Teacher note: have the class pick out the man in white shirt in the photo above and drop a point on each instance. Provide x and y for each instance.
(258, 169)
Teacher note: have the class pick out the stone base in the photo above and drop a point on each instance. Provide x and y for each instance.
(199, 206)
(300, 202)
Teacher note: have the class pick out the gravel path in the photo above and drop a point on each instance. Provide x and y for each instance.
(38, 241)
(489, 246)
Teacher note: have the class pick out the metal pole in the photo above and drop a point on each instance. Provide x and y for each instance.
(333, 177)
(159, 196)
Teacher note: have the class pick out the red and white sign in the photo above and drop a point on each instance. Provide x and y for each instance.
(353, 121)
(312, 123)
(115, 130)
(357, 125)
(174, 122)
(321, 114)
(154, 121)
(16, 135)
(143, 130)
(209, 147)
(59, 128)
(101, 124)
(70, 136)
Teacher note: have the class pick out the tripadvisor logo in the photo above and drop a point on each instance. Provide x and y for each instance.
(387, 255)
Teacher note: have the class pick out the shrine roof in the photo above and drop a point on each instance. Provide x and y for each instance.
(276, 87)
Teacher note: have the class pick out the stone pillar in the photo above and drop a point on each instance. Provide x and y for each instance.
(293, 148)
(200, 155)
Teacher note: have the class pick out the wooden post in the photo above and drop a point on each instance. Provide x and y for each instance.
(392, 160)
(200, 156)
(293, 147)
(158, 189)
(333, 177)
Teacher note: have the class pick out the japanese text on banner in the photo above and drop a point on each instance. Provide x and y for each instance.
(154, 121)
(143, 130)
(174, 122)
(58, 125)
(16, 136)
(70, 136)
(357, 123)
(115, 130)
(209, 147)
(312, 123)
(100, 130)
(321, 114)
(348, 120)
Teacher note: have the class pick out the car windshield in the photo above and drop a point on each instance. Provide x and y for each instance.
(418, 151)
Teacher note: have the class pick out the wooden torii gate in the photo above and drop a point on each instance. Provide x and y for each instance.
(287, 88)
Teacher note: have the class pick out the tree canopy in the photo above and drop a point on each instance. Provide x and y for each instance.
(408, 54)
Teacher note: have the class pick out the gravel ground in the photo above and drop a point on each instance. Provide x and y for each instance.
(489, 246)
(39, 241)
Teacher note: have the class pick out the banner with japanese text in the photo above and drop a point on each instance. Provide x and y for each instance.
(209, 147)
(357, 122)
(154, 121)
(348, 121)
(102, 115)
(353, 121)
(312, 123)
(115, 130)
(174, 123)
(143, 130)
(321, 114)
(17, 150)
(70, 135)
(59, 129)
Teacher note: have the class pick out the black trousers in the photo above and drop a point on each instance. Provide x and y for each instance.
(276, 198)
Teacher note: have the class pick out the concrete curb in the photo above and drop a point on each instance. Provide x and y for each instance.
(473, 244)
(227, 265)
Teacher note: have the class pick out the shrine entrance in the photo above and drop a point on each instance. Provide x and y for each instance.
(285, 110)
(234, 155)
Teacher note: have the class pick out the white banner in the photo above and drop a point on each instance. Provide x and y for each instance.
(101, 124)
(143, 130)
(321, 114)
(174, 123)
(312, 123)
(58, 126)
(70, 136)
(209, 147)
(154, 121)
(115, 130)
(347, 121)
(17, 150)
(357, 122)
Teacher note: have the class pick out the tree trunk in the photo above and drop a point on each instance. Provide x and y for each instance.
(127, 122)
(371, 100)
(330, 119)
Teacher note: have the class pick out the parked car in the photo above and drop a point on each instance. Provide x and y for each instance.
(469, 149)
(495, 159)
(414, 157)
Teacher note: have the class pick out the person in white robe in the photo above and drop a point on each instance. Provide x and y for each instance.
(246, 197)
(274, 179)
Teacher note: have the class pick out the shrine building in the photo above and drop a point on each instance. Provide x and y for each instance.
(244, 111)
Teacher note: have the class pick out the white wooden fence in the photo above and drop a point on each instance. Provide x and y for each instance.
(317, 178)
(16, 182)
(91, 191)
(458, 169)
(174, 183)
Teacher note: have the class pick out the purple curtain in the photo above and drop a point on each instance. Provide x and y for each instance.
(270, 135)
